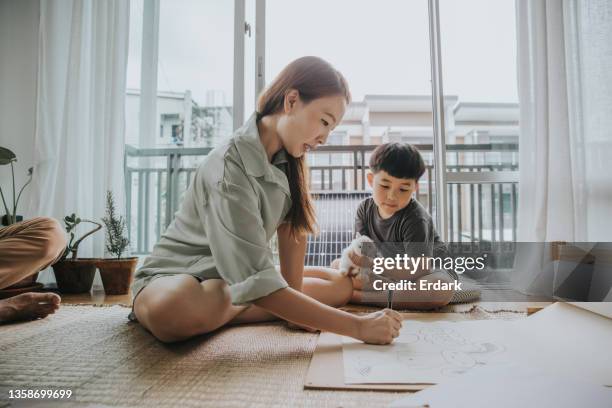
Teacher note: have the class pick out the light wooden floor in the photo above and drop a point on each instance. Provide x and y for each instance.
(96, 297)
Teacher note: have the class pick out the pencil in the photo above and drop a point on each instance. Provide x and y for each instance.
(390, 300)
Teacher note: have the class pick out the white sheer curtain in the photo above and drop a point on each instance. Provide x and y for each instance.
(565, 93)
(80, 121)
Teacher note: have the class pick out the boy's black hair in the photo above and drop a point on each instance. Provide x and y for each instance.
(401, 160)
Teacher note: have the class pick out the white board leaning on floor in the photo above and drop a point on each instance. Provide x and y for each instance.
(561, 338)
(510, 387)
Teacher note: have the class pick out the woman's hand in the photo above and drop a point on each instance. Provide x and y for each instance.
(380, 327)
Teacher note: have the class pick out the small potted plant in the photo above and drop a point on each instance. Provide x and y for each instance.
(74, 274)
(10, 214)
(117, 273)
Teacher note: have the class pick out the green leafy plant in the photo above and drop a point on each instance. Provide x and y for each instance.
(71, 222)
(116, 241)
(7, 157)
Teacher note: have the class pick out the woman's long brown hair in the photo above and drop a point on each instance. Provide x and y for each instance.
(313, 78)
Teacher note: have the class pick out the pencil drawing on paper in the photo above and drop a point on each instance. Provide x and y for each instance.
(423, 353)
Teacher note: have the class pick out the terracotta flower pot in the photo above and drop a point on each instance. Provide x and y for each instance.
(117, 274)
(75, 276)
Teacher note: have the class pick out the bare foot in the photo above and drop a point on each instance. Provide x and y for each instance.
(28, 306)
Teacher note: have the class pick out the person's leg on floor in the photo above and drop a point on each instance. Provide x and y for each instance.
(323, 284)
(327, 285)
(177, 307)
(25, 249)
(28, 247)
(357, 293)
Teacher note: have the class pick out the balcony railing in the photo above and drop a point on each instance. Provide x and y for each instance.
(481, 187)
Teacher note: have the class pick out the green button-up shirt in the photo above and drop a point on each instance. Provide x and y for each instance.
(230, 211)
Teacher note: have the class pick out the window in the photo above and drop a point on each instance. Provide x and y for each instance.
(382, 48)
(194, 73)
(479, 70)
(205, 89)
(383, 51)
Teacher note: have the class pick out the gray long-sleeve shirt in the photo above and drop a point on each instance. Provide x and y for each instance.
(410, 230)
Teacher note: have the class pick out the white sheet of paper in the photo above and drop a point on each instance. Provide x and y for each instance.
(426, 352)
(561, 339)
(510, 387)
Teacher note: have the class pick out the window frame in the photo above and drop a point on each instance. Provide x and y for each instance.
(148, 109)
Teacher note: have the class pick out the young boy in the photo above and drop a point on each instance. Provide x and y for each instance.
(397, 223)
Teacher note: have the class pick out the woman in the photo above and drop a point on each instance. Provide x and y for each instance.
(213, 265)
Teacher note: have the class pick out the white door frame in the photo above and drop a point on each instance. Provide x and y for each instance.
(239, 28)
(148, 73)
(439, 130)
(260, 47)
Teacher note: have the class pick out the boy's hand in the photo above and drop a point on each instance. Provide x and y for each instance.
(362, 261)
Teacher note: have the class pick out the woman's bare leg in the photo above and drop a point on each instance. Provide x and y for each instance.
(327, 285)
(357, 293)
(177, 307)
(323, 284)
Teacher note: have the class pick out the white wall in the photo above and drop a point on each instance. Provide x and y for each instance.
(18, 71)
